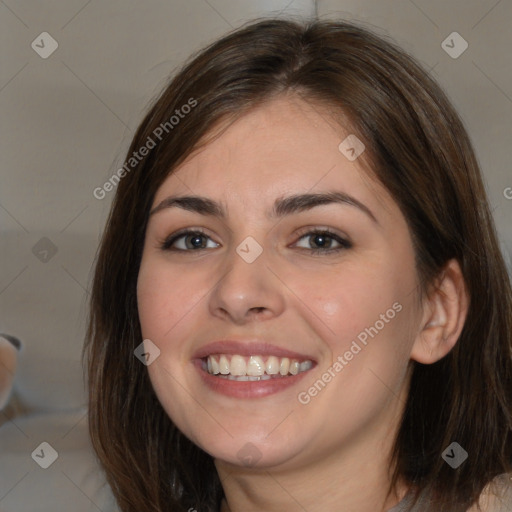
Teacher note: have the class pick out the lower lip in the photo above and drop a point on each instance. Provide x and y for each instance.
(247, 389)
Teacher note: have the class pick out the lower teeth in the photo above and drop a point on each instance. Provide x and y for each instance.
(248, 377)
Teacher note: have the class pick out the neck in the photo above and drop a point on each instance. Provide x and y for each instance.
(353, 478)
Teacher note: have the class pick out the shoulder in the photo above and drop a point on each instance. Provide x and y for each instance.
(496, 496)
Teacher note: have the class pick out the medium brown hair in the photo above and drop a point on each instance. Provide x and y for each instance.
(418, 148)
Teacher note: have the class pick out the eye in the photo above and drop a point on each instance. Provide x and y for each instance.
(324, 238)
(193, 239)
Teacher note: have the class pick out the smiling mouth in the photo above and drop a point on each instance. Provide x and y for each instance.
(253, 368)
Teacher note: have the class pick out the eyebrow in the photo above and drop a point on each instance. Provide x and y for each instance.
(282, 206)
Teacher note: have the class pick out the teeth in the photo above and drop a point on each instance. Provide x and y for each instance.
(272, 367)
(247, 377)
(238, 366)
(305, 366)
(215, 366)
(255, 368)
(284, 366)
(223, 365)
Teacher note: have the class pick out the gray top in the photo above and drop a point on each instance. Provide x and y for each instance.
(503, 500)
(405, 503)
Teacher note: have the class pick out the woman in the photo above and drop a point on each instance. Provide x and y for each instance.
(299, 301)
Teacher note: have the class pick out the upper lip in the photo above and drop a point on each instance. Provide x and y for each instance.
(248, 348)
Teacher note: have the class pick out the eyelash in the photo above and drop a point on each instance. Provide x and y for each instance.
(166, 245)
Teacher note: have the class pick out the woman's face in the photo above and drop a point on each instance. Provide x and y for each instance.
(250, 296)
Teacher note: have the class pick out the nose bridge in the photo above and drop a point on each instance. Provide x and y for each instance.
(246, 266)
(247, 283)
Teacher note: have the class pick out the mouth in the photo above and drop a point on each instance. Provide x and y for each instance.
(250, 370)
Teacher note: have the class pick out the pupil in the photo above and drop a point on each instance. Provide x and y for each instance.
(321, 238)
(197, 238)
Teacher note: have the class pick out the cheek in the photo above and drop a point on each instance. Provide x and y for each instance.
(154, 304)
(365, 309)
(164, 298)
(350, 298)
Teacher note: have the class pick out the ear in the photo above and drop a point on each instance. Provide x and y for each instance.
(444, 314)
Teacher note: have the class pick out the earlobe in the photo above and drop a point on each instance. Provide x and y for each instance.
(443, 318)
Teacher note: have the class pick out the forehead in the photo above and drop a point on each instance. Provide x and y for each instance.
(285, 146)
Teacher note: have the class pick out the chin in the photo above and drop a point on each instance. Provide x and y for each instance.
(253, 447)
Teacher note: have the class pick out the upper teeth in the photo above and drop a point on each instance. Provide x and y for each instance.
(255, 365)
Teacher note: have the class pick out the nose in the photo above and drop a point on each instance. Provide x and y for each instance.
(247, 291)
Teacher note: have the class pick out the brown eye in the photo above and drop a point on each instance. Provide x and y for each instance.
(323, 240)
(193, 240)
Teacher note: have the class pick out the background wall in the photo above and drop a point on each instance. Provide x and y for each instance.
(75, 80)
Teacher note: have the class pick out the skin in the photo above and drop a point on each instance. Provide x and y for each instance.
(335, 449)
